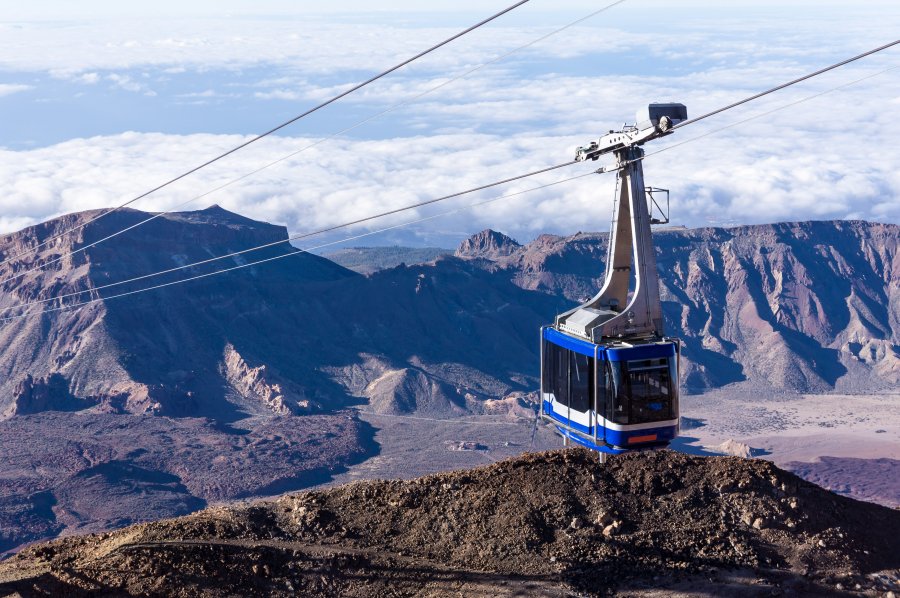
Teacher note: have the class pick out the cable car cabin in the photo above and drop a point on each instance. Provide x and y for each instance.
(613, 397)
(609, 375)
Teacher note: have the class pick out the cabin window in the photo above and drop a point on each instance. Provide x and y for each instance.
(650, 391)
(556, 372)
(602, 378)
(581, 376)
(644, 391)
(569, 376)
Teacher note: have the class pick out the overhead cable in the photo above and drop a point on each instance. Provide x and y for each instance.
(762, 114)
(343, 94)
(788, 84)
(301, 150)
(257, 262)
(409, 223)
(368, 218)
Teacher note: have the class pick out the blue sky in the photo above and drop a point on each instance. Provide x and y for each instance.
(104, 100)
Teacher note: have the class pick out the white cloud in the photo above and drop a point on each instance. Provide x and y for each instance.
(125, 82)
(208, 93)
(796, 164)
(832, 157)
(281, 94)
(305, 45)
(11, 88)
(310, 42)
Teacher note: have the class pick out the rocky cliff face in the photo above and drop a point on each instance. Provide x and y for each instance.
(487, 244)
(800, 306)
(170, 353)
(45, 394)
(256, 383)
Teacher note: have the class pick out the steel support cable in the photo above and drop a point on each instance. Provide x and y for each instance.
(788, 84)
(341, 95)
(315, 233)
(135, 279)
(297, 152)
(257, 262)
(762, 114)
(602, 170)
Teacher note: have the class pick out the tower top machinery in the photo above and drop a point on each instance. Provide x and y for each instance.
(609, 375)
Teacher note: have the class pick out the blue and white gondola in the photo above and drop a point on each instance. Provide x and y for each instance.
(610, 398)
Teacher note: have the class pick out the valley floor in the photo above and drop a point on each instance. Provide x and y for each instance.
(413, 446)
(68, 473)
(849, 444)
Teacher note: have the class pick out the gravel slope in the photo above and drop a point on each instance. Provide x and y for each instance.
(555, 523)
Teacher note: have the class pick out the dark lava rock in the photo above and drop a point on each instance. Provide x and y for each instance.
(557, 523)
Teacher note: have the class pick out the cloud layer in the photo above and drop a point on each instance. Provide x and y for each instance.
(771, 169)
(831, 157)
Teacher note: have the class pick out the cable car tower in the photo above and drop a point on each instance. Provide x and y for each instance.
(609, 375)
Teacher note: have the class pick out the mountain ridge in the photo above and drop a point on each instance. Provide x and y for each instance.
(725, 289)
(810, 306)
(101, 349)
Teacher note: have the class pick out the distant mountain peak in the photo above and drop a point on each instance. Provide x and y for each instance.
(216, 214)
(488, 244)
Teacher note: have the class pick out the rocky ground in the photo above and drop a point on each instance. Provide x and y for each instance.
(542, 524)
(65, 473)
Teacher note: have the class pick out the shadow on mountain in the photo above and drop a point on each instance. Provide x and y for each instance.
(685, 444)
(27, 517)
(175, 341)
(119, 493)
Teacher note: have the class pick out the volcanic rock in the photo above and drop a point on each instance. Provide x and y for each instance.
(80, 472)
(733, 448)
(488, 244)
(256, 383)
(45, 394)
(519, 527)
(165, 351)
(800, 306)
